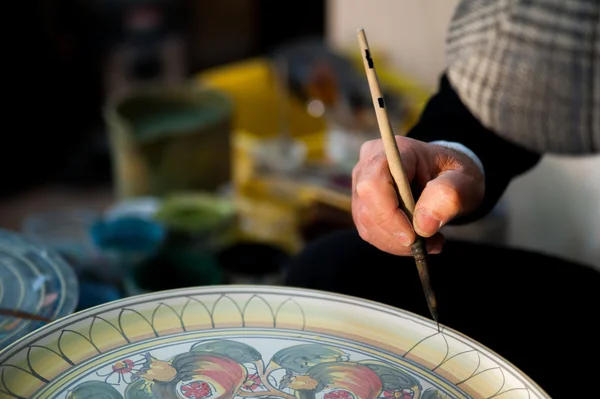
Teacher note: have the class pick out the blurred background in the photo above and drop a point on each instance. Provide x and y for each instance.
(159, 144)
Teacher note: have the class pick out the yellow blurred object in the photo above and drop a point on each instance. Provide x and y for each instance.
(252, 87)
(269, 208)
(263, 215)
(396, 82)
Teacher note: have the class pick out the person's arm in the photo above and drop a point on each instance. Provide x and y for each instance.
(446, 118)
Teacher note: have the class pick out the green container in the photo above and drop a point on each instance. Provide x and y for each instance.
(167, 139)
(202, 222)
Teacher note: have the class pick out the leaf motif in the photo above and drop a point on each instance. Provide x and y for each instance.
(349, 376)
(94, 389)
(288, 314)
(300, 358)
(75, 346)
(258, 313)
(165, 320)
(460, 366)
(195, 315)
(20, 382)
(430, 351)
(140, 389)
(485, 383)
(105, 335)
(513, 388)
(45, 362)
(227, 313)
(135, 326)
(238, 351)
(392, 378)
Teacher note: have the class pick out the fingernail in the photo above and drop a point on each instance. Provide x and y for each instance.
(403, 238)
(426, 223)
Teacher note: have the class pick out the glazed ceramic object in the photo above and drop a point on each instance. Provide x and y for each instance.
(33, 280)
(253, 342)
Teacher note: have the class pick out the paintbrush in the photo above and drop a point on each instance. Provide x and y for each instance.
(23, 315)
(406, 200)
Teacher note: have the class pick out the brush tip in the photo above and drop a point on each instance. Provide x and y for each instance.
(436, 318)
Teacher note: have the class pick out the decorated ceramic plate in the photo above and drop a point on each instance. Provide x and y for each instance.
(35, 281)
(253, 342)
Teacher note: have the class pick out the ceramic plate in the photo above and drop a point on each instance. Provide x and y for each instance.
(35, 281)
(253, 342)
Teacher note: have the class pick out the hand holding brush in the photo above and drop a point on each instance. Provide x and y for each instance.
(384, 208)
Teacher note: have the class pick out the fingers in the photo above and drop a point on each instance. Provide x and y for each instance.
(384, 241)
(375, 206)
(393, 240)
(451, 193)
(375, 201)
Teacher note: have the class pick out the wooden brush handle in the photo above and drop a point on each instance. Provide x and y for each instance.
(387, 134)
(392, 153)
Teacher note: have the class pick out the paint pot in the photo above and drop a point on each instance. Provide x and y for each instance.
(199, 221)
(166, 139)
(139, 207)
(253, 263)
(127, 241)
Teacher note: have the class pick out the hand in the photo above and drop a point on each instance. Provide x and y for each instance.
(450, 184)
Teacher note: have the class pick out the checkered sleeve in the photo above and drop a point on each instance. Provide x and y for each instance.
(529, 70)
(446, 118)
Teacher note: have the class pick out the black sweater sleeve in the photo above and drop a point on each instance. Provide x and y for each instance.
(445, 117)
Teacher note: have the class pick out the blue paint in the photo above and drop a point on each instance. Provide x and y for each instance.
(128, 234)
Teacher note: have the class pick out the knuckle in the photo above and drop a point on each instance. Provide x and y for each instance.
(406, 144)
(378, 162)
(368, 147)
(402, 141)
(371, 175)
(366, 188)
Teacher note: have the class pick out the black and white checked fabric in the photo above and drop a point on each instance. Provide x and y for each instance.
(530, 70)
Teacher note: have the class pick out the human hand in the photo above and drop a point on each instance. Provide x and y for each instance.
(449, 182)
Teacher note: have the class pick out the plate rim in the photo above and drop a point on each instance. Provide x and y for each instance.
(60, 267)
(15, 347)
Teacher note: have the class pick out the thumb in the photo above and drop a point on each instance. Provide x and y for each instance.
(449, 195)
